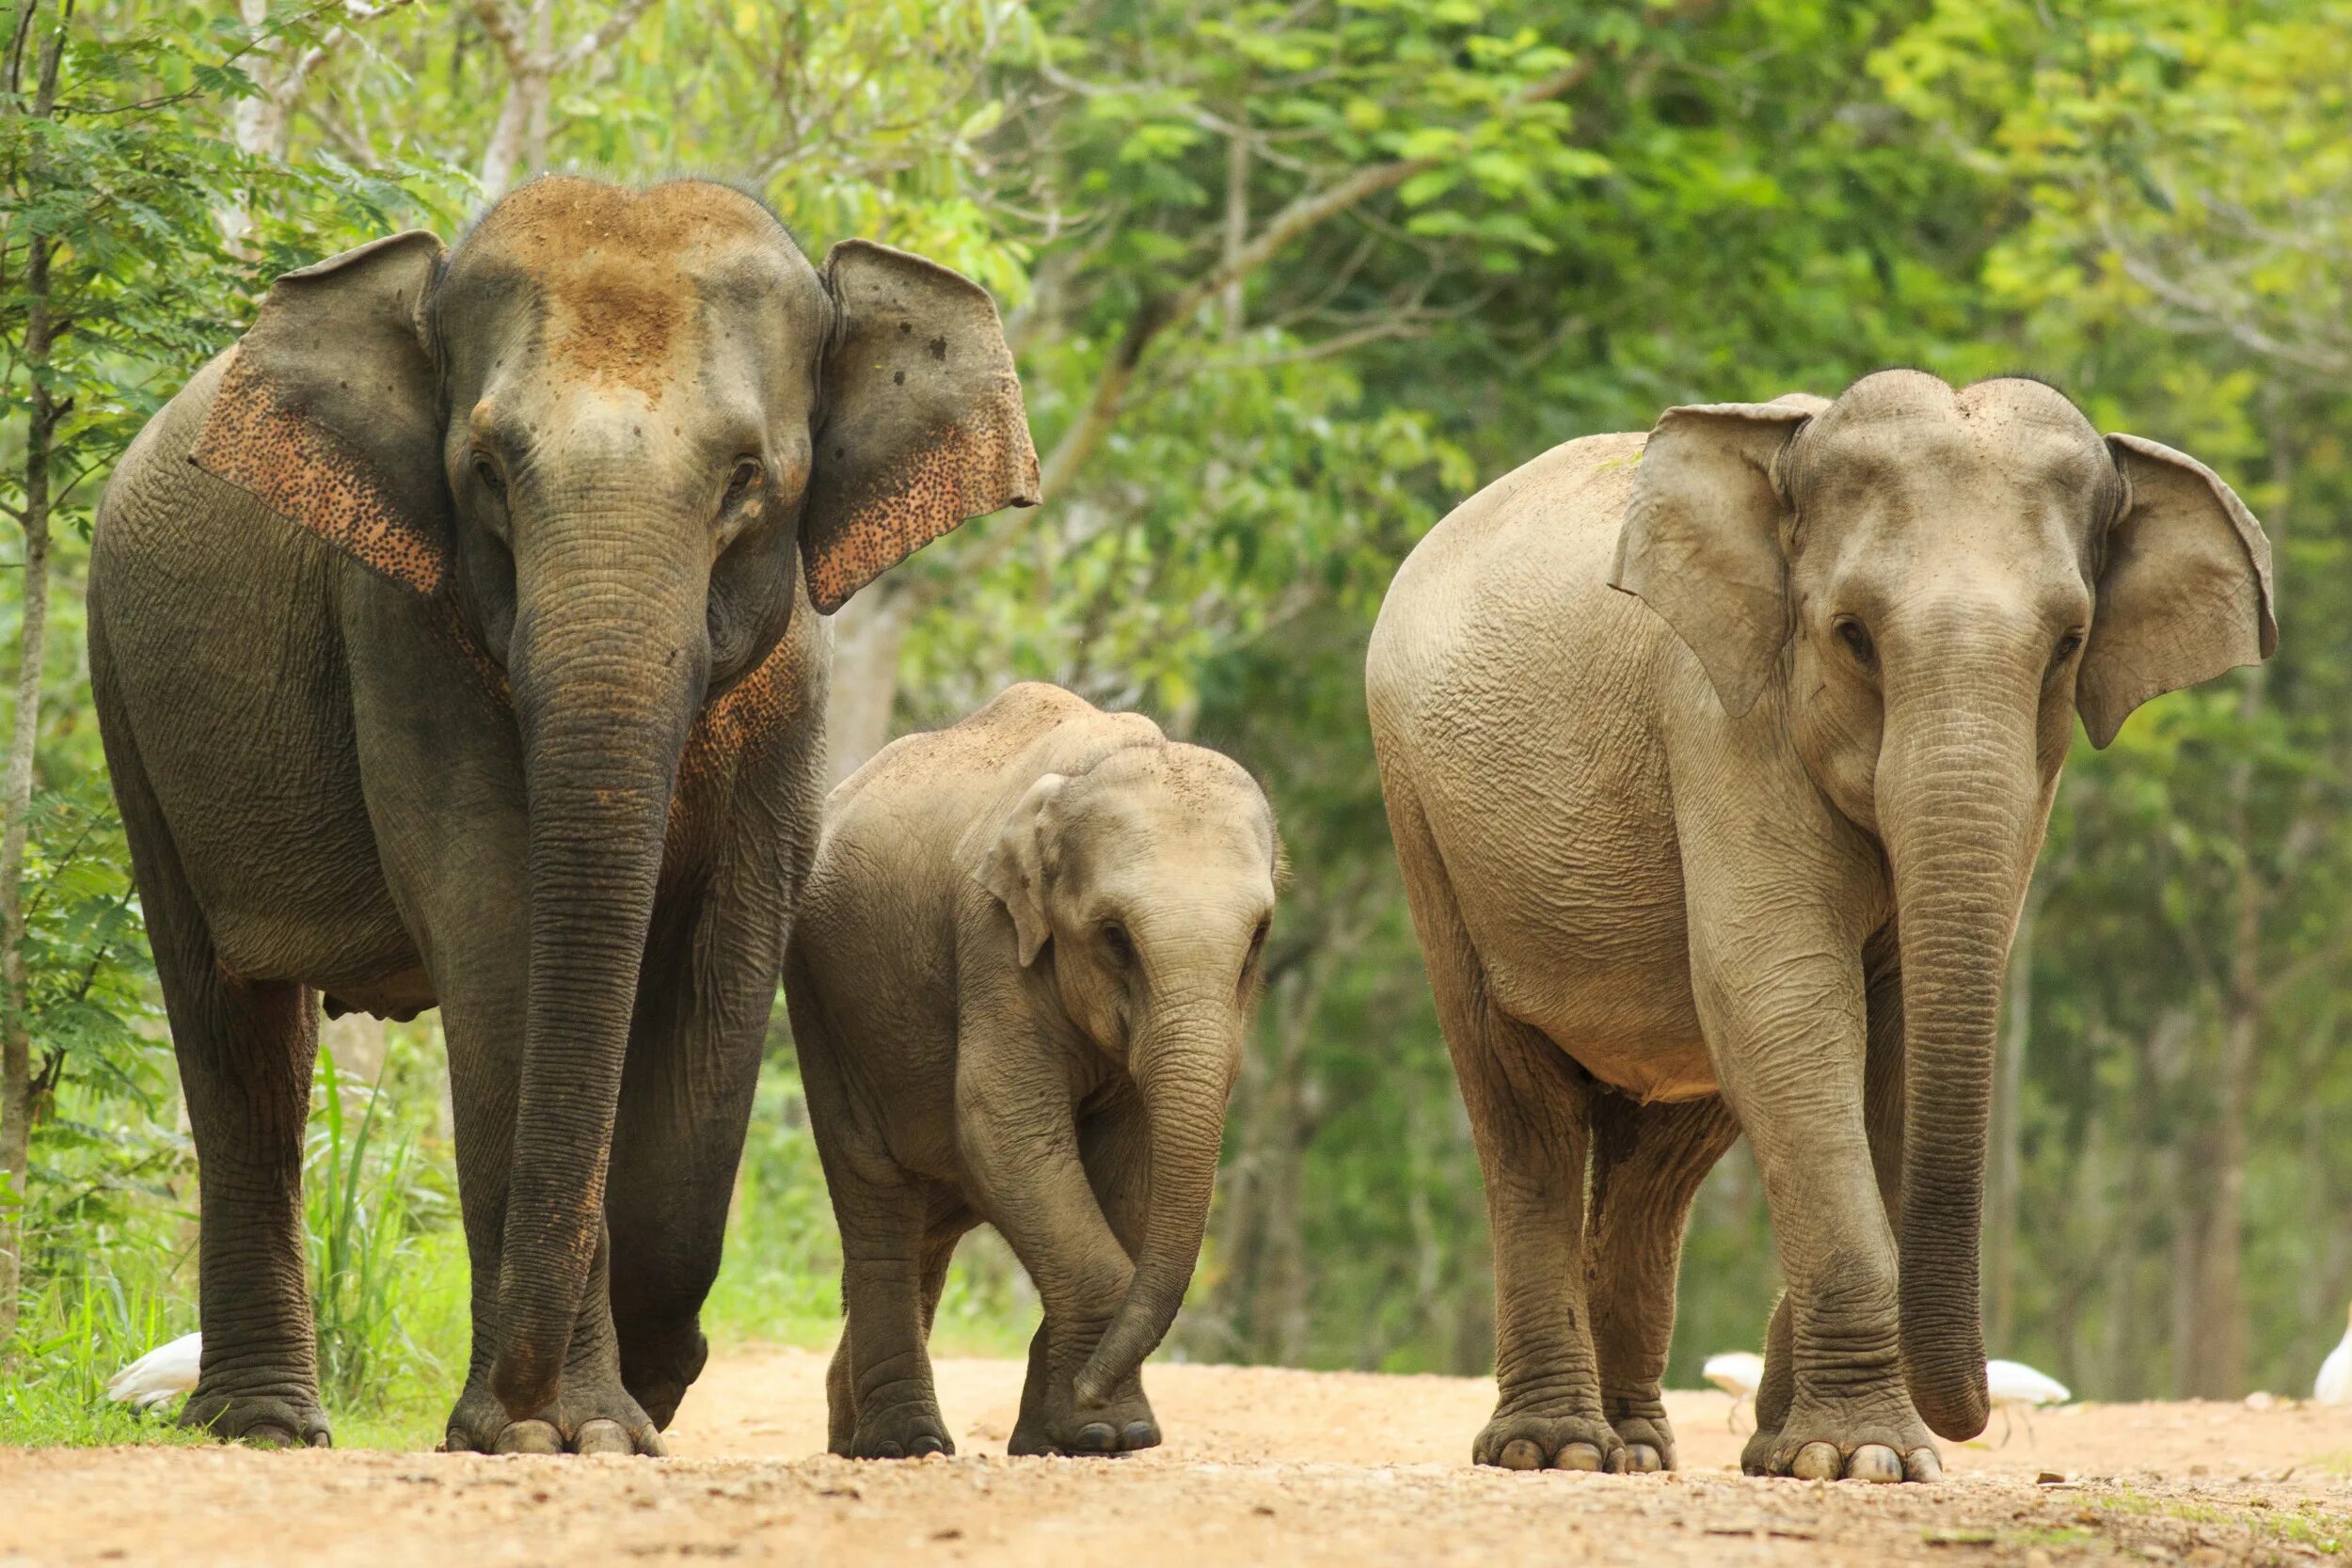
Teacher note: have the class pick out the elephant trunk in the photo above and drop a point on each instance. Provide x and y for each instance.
(1957, 807)
(1184, 1066)
(608, 662)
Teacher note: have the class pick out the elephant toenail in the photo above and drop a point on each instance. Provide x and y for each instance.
(1642, 1459)
(528, 1437)
(1874, 1462)
(1923, 1465)
(1618, 1462)
(320, 1440)
(602, 1437)
(1578, 1456)
(1094, 1438)
(1520, 1453)
(1818, 1462)
(1139, 1435)
(889, 1451)
(926, 1446)
(269, 1434)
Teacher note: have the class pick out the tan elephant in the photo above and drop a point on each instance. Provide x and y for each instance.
(1020, 983)
(1746, 854)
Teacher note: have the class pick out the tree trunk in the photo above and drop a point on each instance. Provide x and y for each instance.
(16, 1050)
(2005, 1174)
(868, 634)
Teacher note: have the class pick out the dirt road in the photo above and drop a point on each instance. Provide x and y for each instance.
(1261, 1466)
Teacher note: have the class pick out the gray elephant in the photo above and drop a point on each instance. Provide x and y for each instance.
(454, 645)
(1747, 853)
(1020, 983)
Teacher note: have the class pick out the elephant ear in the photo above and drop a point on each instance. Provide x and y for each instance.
(923, 423)
(1015, 868)
(1702, 542)
(2183, 592)
(327, 412)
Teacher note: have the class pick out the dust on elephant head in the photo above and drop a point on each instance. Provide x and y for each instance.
(622, 435)
(1943, 578)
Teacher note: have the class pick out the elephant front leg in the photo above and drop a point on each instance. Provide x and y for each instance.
(1787, 1034)
(705, 992)
(593, 1411)
(1018, 1140)
(1648, 1163)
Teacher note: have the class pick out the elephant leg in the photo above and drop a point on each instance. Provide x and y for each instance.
(948, 1227)
(1648, 1163)
(1883, 1119)
(1020, 1143)
(1530, 1114)
(245, 1049)
(703, 1002)
(1785, 1016)
(1114, 1145)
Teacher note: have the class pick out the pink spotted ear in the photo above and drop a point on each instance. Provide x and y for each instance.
(923, 426)
(327, 414)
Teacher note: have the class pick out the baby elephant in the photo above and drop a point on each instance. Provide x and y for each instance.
(1019, 980)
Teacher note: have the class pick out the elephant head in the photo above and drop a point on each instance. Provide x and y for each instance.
(619, 437)
(1925, 586)
(1147, 882)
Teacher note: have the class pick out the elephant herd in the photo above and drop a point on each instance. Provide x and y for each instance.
(455, 638)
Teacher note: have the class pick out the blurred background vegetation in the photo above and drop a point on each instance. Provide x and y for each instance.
(1287, 281)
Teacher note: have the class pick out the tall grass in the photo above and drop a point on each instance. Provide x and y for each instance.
(362, 1219)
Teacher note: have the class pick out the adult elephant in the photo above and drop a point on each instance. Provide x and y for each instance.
(452, 643)
(1751, 857)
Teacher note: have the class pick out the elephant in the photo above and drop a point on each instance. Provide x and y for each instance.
(1717, 761)
(1026, 960)
(456, 642)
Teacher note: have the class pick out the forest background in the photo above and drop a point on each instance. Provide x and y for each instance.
(1287, 280)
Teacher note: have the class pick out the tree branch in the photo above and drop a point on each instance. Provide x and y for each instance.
(1094, 423)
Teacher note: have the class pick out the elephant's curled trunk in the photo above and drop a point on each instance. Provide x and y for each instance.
(606, 673)
(1184, 1071)
(1958, 802)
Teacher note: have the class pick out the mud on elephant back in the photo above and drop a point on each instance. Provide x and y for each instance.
(456, 642)
(1740, 849)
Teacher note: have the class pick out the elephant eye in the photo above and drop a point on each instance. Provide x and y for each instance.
(1257, 946)
(488, 472)
(1117, 944)
(2065, 650)
(746, 474)
(1857, 640)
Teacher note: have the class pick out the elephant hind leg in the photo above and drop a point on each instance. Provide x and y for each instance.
(1648, 1163)
(1528, 1106)
(245, 1049)
(841, 1406)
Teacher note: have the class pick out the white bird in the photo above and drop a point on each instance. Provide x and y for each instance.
(2015, 1387)
(2335, 1373)
(162, 1373)
(1737, 1372)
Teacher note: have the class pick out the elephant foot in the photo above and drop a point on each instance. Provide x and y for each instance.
(264, 1420)
(590, 1416)
(1818, 1443)
(1532, 1440)
(1058, 1424)
(1640, 1425)
(911, 1431)
(656, 1369)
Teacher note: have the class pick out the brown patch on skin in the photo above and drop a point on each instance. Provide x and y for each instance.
(308, 475)
(612, 268)
(973, 467)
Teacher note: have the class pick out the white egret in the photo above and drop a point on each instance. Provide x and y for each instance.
(162, 1373)
(1737, 1372)
(2015, 1387)
(2335, 1373)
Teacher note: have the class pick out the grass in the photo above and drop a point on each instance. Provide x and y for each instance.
(389, 1273)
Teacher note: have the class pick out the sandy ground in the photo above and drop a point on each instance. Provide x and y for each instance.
(1262, 1466)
